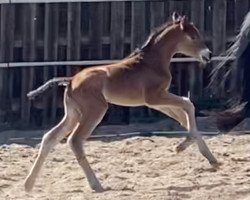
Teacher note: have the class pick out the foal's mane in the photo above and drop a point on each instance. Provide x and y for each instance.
(151, 39)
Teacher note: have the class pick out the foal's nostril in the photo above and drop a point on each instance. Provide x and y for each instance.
(205, 55)
(210, 55)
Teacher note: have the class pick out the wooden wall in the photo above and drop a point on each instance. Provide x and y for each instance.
(83, 31)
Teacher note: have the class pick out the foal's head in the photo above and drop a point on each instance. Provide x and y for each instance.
(190, 41)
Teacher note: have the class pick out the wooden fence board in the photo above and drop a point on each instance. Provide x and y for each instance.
(138, 24)
(157, 18)
(32, 53)
(196, 73)
(73, 34)
(2, 56)
(117, 34)
(137, 38)
(26, 55)
(55, 22)
(77, 31)
(96, 30)
(117, 30)
(47, 54)
(4, 10)
(5, 37)
(9, 87)
(219, 28)
(157, 14)
(241, 8)
(69, 36)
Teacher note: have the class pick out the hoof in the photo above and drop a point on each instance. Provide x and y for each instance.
(98, 189)
(181, 147)
(184, 145)
(215, 164)
(28, 185)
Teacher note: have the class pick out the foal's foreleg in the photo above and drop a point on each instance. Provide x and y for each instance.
(50, 139)
(179, 115)
(164, 98)
(189, 109)
(176, 113)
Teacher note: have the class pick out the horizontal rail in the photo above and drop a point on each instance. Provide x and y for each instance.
(94, 62)
(63, 1)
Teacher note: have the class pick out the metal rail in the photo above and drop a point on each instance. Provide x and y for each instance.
(93, 62)
(64, 1)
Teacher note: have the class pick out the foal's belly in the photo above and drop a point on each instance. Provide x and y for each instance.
(123, 96)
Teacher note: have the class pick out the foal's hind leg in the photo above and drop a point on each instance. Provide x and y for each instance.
(94, 112)
(50, 139)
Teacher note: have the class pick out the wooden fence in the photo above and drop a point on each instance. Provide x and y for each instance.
(96, 31)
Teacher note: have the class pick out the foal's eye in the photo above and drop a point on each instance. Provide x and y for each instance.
(192, 37)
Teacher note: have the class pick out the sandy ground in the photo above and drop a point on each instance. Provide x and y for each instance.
(134, 168)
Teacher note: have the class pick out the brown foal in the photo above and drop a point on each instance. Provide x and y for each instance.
(143, 78)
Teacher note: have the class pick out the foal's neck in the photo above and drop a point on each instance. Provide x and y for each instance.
(159, 55)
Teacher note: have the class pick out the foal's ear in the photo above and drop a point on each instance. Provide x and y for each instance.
(183, 22)
(175, 16)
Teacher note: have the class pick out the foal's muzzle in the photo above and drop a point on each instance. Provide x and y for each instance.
(205, 56)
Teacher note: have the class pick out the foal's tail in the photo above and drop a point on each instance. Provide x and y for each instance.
(54, 81)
